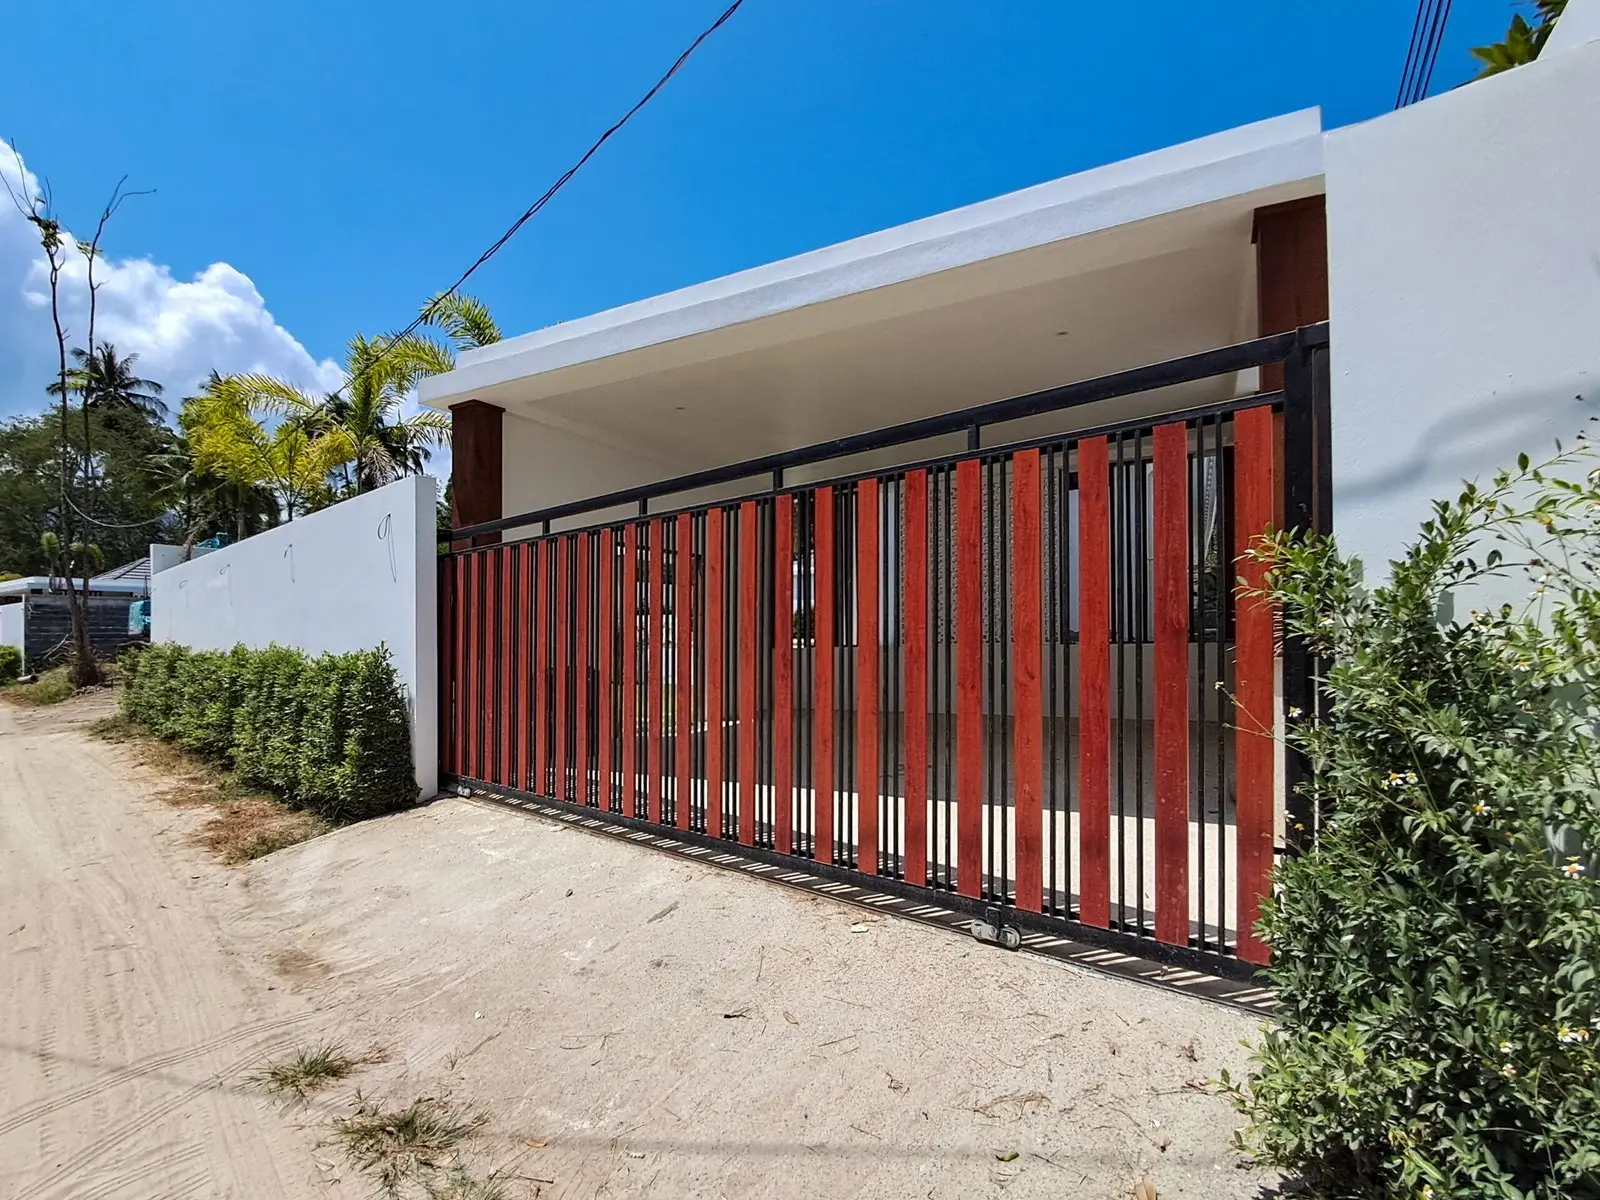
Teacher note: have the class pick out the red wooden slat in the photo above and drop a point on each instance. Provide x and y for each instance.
(716, 595)
(655, 657)
(1172, 605)
(1255, 717)
(629, 616)
(822, 620)
(605, 766)
(580, 669)
(486, 665)
(749, 575)
(474, 673)
(542, 750)
(968, 552)
(1094, 683)
(446, 670)
(916, 702)
(1027, 666)
(867, 647)
(505, 667)
(489, 663)
(562, 606)
(524, 663)
(683, 664)
(783, 677)
(458, 709)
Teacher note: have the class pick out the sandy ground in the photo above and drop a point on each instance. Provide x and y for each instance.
(632, 1024)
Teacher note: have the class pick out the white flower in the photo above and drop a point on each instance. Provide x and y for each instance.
(1293, 713)
(1506, 1047)
(1427, 1192)
(1573, 869)
(1481, 809)
(1572, 1036)
(1508, 1071)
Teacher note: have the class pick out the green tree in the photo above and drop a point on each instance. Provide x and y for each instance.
(368, 442)
(205, 502)
(107, 382)
(1523, 40)
(129, 496)
(239, 436)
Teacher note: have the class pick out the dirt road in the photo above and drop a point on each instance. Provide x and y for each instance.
(130, 1020)
(632, 1024)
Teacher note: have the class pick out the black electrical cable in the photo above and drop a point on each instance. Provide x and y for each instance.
(1433, 55)
(1418, 24)
(1422, 55)
(549, 194)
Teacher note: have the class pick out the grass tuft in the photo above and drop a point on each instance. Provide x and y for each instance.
(309, 1070)
(458, 1185)
(52, 687)
(411, 1144)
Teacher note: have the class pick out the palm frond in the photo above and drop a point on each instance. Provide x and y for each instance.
(266, 394)
(428, 428)
(464, 319)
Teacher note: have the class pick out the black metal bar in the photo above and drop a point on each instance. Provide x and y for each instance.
(1300, 501)
(1188, 369)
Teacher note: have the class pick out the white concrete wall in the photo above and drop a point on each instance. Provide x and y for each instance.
(12, 617)
(1579, 23)
(163, 556)
(355, 575)
(1464, 250)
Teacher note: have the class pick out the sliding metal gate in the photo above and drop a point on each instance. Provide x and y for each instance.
(1030, 676)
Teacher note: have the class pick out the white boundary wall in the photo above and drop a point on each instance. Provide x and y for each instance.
(12, 618)
(1464, 254)
(350, 577)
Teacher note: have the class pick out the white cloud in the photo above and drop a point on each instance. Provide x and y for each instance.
(180, 329)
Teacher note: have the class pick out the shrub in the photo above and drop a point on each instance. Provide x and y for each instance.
(1434, 952)
(377, 763)
(330, 734)
(10, 664)
(267, 723)
(207, 684)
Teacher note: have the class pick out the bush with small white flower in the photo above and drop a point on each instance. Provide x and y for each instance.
(1435, 950)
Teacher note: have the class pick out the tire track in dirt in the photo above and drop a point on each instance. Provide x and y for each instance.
(134, 1022)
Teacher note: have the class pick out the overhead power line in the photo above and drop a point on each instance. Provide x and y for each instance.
(549, 194)
(1427, 36)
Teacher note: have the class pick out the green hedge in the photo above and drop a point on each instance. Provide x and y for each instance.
(10, 664)
(329, 733)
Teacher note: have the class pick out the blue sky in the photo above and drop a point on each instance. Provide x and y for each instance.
(349, 158)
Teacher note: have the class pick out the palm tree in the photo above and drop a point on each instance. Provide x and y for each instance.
(206, 501)
(360, 425)
(237, 432)
(108, 383)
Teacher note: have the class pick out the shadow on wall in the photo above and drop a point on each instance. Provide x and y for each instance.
(1471, 444)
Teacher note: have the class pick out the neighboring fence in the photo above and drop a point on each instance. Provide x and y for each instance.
(1023, 676)
(44, 622)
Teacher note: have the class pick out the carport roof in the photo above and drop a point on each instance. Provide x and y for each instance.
(1101, 218)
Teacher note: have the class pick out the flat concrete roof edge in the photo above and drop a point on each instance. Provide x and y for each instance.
(1251, 158)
